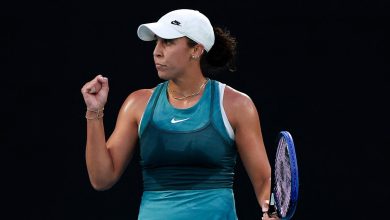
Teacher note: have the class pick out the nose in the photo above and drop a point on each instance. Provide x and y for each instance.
(157, 52)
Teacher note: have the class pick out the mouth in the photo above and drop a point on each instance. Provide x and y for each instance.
(160, 66)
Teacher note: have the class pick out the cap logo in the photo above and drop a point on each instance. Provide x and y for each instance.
(175, 22)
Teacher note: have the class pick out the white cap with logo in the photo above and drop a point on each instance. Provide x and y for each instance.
(180, 23)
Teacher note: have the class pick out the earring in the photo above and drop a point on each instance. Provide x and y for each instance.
(194, 57)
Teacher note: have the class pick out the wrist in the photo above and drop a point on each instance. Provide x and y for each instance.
(95, 109)
(92, 114)
(265, 206)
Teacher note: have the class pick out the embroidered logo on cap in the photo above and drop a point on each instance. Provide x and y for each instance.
(175, 22)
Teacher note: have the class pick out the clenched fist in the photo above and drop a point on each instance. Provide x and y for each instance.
(95, 93)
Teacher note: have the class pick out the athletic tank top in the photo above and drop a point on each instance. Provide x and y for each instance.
(186, 148)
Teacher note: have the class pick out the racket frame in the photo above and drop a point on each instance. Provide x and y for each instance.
(294, 176)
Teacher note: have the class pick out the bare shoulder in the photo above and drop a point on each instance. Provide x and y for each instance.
(139, 96)
(236, 99)
(136, 102)
(238, 105)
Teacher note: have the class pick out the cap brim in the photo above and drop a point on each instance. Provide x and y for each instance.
(148, 32)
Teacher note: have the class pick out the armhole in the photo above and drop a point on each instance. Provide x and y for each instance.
(228, 127)
(142, 117)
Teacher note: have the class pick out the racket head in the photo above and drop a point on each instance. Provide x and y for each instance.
(286, 180)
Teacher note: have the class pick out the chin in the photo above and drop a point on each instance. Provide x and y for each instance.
(163, 75)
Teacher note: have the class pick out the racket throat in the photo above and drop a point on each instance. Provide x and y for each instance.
(272, 207)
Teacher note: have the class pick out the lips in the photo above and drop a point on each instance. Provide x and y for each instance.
(160, 66)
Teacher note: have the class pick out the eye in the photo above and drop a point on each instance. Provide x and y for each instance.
(168, 41)
(165, 42)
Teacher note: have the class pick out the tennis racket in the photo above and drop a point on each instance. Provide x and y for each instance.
(285, 183)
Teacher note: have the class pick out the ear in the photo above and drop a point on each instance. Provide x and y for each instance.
(198, 50)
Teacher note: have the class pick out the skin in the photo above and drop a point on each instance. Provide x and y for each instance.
(177, 62)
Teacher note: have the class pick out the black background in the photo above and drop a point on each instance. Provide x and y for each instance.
(318, 69)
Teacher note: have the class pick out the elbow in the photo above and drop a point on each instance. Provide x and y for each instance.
(100, 187)
(100, 184)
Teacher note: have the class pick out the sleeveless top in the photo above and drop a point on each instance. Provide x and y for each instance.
(186, 149)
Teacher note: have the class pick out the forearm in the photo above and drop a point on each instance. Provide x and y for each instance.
(99, 162)
(259, 172)
(262, 190)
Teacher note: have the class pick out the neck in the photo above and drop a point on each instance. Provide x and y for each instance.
(187, 89)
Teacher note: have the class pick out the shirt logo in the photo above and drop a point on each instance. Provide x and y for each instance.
(175, 22)
(174, 121)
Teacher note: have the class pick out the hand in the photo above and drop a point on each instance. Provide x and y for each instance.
(95, 92)
(272, 216)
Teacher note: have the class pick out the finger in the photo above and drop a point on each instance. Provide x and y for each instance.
(94, 85)
(92, 90)
(267, 216)
(274, 216)
(98, 76)
(87, 88)
(103, 82)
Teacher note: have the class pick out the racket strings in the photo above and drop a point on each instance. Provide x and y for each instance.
(282, 177)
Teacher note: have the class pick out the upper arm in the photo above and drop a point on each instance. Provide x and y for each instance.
(244, 118)
(122, 142)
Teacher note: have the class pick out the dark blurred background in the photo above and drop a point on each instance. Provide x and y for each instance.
(318, 69)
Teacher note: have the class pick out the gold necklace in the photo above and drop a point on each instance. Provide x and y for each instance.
(188, 96)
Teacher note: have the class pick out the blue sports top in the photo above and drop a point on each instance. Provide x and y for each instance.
(186, 148)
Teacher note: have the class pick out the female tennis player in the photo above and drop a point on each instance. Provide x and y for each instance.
(190, 127)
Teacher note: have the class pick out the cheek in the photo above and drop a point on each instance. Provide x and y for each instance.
(179, 60)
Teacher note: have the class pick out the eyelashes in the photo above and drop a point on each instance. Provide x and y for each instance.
(164, 41)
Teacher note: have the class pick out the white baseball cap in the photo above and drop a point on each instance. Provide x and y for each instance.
(180, 23)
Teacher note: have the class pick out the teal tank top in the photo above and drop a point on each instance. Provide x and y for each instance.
(186, 148)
